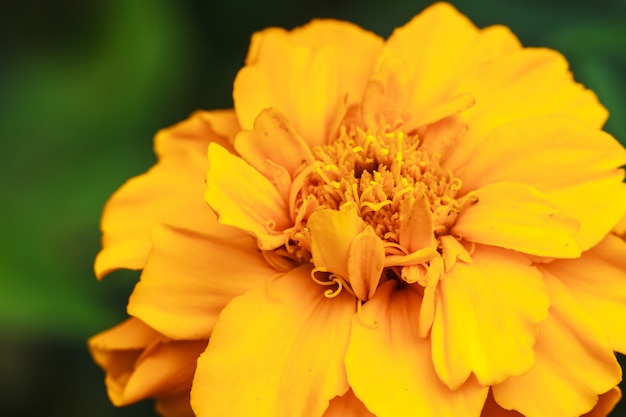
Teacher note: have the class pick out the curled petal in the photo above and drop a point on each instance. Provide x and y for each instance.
(244, 198)
(332, 233)
(140, 363)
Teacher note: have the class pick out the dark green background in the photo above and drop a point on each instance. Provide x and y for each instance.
(84, 85)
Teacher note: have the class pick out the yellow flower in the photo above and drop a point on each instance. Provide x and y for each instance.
(418, 226)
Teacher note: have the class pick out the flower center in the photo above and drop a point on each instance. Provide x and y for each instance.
(378, 172)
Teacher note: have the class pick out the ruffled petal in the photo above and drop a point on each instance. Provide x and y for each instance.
(270, 353)
(389, 366)
(308, 74)
(189, 278)
(518, 217)
(597, 280)
(442, 35)
(568, 160)
(486, 318)
(347, 405)
(170, 192)
(242, 197)
(140, 363)
(574, 363)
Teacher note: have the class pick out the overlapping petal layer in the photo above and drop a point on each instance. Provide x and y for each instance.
(487, 317)
(171, 192)
(280, 348)
(390, 368)
(141, 363)
(189, 278)
(574, 362)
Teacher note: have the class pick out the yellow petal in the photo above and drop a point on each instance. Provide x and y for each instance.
(244, 198)
(276, 352)
(332, 233)
(598, 282)
(347, 405)
(365, 263)
(516, 216)
(574, 363)
(556, 155)
(486, 318)
(273, 139)
(547, 152)
(525, 83)
(439, 46)
(307, 74)
(170, 192)
(189, 278)
(389, 366)
(141, 363)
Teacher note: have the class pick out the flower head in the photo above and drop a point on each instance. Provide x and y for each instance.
(427, 225)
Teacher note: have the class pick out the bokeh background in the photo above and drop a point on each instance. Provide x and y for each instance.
(84, 85)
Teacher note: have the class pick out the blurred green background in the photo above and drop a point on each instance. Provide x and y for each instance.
(84, 85)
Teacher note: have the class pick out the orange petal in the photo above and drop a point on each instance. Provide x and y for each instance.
(516, 216)
(332, 233)
(493, 409)
(175, 406)
(556, 155)
(416, 223)
(386, 95)
(347, 405)
(307, 74)
(276, 352)
(365, 263)
(389, 366)
(273, 139)
(574, 363)
(486, 318)
(170, 192)
(244, 198)
(442, 35)
(189, 278)
(606, 403)
(596, 280)
(140, 363)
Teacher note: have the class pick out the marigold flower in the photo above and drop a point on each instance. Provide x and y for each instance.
(428, 225)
